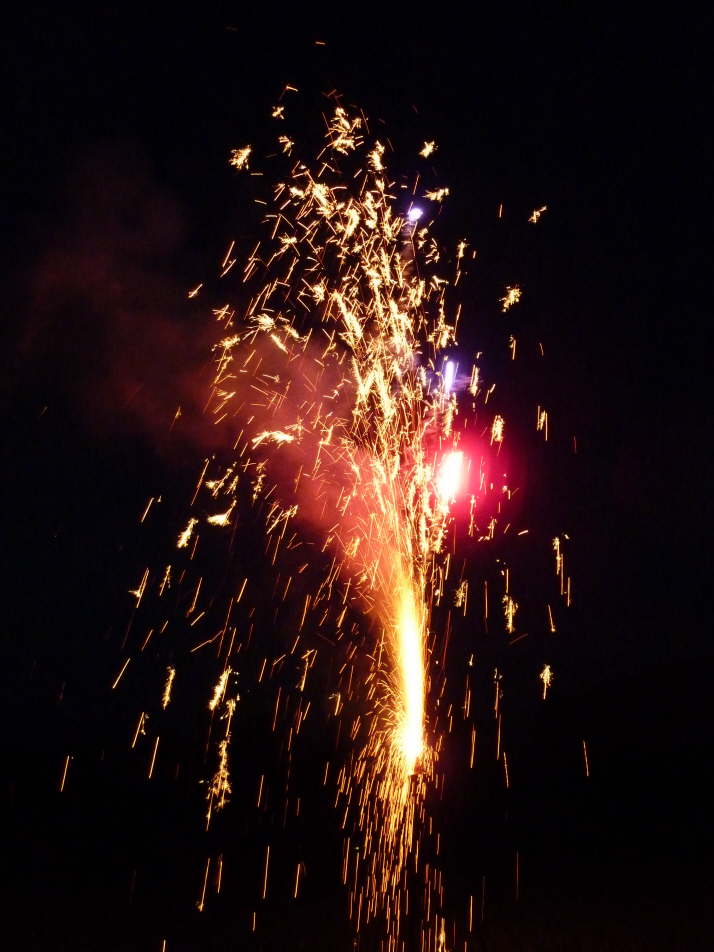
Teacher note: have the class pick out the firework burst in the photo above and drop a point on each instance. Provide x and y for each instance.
(332, 379)
(335, 408)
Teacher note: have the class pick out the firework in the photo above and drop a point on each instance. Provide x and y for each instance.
(335, 403)
(331, 377)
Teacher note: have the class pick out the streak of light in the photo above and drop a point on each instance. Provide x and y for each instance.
(265, 872)
(65, 768)
(121, 673)
(153, 758)
(166, 697)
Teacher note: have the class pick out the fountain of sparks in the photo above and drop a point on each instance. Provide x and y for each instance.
(329, 375)
(334, 406)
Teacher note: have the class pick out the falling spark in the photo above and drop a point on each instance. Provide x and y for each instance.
(121, 673)
(511, 297)
(542, 422)
(497, 428)
(509, 610)
(265, 872)
(65, 768)
(138, 592)
(536, 213)
(546, 677)
(166, 697)
(222, 518)
(437, 195)
(239, 157)
(185, 536)
(153, 758)
(219, 690)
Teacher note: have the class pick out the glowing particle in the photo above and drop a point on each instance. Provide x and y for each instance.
(166, 697)
(511, 297)
(185, 536)
(437, 195)
(219, 690)
(510, 607)
(239, 157)
(546, 677)
(497, 428)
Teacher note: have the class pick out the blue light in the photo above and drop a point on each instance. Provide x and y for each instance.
(449, 374)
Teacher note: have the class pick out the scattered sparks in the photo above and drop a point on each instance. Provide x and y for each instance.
(185, 537)
(220, 786)
(333, 390)
(511, 297)
(219, 690)
(274, 436)
(536, 213)
(497, 428)
(222, 518)
(509, 610)
(239, 157)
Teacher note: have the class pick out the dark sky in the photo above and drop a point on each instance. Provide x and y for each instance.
(119, 198)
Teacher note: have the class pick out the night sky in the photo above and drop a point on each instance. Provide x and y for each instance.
(119, 198)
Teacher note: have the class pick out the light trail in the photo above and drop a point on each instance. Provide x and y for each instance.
(411, 739)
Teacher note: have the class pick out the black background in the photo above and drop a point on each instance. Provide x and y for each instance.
(119, 198)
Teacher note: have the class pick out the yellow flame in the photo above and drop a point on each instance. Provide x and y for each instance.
(410, 735)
